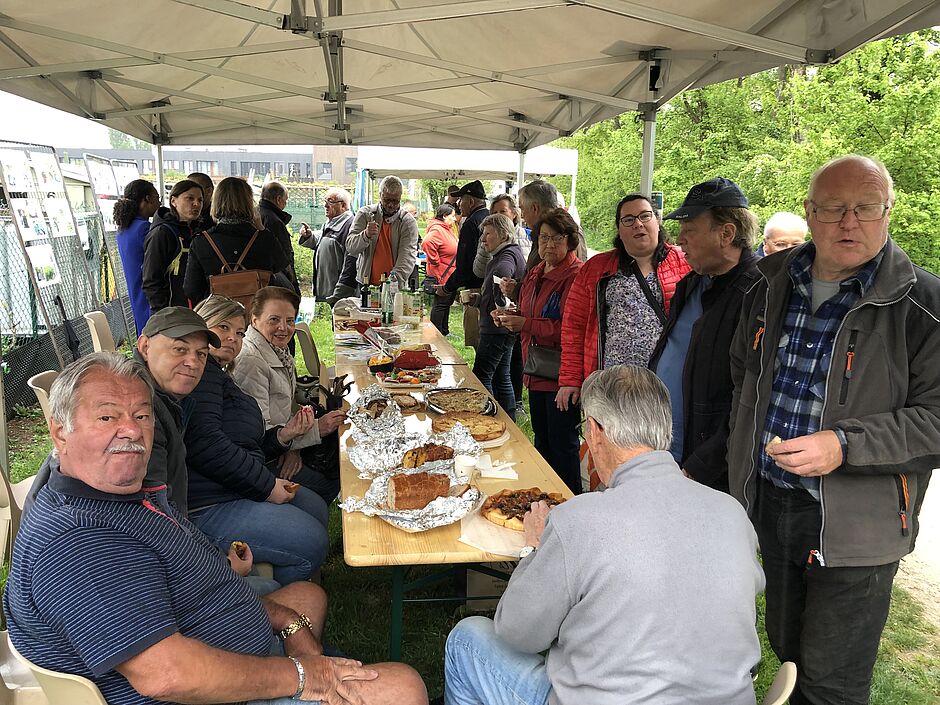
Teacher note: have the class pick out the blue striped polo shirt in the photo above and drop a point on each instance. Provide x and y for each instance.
(98, 578)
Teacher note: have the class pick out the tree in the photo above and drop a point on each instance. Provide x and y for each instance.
(119, 140)
(769, 132)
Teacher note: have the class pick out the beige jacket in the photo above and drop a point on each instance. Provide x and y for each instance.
(261, 374)
(404, 234)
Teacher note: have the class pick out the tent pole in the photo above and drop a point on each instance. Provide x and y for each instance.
(649, 145)
(520, 175)
(159, 160)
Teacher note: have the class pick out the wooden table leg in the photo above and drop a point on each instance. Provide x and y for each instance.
(398, 596)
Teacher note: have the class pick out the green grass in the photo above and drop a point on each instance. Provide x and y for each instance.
(907, 671)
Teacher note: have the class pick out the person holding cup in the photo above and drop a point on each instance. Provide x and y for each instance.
(542, 296)
(495, 349)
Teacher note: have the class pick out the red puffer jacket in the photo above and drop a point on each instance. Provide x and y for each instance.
(580, 336)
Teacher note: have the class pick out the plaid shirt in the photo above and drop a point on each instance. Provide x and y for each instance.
(804, 354)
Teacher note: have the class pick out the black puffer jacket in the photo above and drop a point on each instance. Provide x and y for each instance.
(226, 444)
(166, 249)
(231, 238)
(275, 222)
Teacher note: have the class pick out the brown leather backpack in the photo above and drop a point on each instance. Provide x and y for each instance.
(234, 281)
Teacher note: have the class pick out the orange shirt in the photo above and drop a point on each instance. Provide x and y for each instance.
(382, 260)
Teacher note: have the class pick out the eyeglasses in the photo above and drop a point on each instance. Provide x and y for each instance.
(331, 201)
(628, 220)
(866, 212)
(555, 239)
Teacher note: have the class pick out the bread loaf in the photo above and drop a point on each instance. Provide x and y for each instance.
(429, 452)
(416, 491)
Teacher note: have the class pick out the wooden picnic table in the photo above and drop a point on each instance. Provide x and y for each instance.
(370, 541)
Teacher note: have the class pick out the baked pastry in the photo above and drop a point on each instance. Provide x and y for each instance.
(773, 441)
(429, 452)
(417, 490)
(508, 507)
(406, 402)
(291, 487)
(375, 408)
(240, 548)
(482, 428)
(460, 400)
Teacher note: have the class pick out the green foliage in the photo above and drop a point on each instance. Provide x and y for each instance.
(121, 141)
(770, 132)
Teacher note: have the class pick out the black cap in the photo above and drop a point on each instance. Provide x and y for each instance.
(474, 188)
(714, 193)
(178, 322)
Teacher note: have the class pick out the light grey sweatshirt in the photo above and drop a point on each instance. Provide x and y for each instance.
(644, 593)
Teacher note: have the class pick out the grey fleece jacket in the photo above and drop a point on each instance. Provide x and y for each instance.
(887, 402)
(644, 593)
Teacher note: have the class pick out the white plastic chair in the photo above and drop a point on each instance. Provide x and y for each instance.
(783, 685)
(61, 688)
(40, 384)
(17, 687)
(101, 338)
(12, 498)
(308, 347)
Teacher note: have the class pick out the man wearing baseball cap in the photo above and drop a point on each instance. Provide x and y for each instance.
(717, 232)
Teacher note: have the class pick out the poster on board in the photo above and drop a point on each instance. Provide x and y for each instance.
(44, 265)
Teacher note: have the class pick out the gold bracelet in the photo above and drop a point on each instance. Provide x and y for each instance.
(295, 626)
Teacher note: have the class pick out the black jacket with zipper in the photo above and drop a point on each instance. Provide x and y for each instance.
(706, 374)
(166, 249)
(882, 391)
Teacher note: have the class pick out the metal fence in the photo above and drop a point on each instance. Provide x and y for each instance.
(55, 267)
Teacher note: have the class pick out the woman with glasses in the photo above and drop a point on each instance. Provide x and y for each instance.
(542, 298)
(620, 299)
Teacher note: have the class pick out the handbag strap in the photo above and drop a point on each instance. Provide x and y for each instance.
(226, 267)
(247, 247)
(654, 304)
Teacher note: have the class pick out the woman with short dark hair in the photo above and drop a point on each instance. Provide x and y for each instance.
(132, 214)
(542, 297)
(237, 223)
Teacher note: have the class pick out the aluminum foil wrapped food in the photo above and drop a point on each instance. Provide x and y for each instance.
(375, 414)
(440, 512)
(377, 454)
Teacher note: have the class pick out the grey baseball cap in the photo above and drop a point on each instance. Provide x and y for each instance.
(178, 322)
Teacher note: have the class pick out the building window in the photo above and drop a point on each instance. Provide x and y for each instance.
(293, 170)
(233, 169)
(351, 164)
(309, 171)
(210, 168)
(324, 171)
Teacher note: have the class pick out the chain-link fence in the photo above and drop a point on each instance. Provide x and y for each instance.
(55, 267)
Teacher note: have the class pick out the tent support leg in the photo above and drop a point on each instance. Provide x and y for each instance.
(649, 145)
(160, 181)
(520, 174)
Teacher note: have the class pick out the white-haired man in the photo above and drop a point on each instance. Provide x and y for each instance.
(155, 613)
(384, 237)
(783, 231)
(536, 199)
(836, 355)
(330, 247)
(643, 593)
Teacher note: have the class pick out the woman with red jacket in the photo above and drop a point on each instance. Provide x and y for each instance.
(620, 299)
(542, 298)
(440, 246)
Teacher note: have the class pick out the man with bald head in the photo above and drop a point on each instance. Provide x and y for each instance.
(783, 231)
(836, 426)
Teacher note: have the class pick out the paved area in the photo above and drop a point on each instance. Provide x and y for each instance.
(920, 571)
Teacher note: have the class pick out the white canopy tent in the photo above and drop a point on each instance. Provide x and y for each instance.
(470, 74)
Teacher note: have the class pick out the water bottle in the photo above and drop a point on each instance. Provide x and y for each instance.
(388, 300)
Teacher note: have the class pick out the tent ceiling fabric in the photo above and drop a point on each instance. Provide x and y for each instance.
(475, 74)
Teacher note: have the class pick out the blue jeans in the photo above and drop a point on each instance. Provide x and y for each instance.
(480, 669)
(494, 354)
(292, 537)
(556, 436)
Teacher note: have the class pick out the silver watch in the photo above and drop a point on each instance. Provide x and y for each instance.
(526, 550)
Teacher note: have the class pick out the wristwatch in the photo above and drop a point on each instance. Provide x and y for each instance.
(295, 626)
(526, 550)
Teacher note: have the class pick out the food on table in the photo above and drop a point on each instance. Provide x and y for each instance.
(291, 487)
(240, 548)
(463, 399)
(375, 408)
(508, 507)
(416, 491)
(773, 441)
(418, 347)
(396, 376)
(482, 428)
(429, 452)
(406, 402)
(379, 360)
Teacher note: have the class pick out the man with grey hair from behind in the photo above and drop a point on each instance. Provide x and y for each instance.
(536, 199)
(642, 593)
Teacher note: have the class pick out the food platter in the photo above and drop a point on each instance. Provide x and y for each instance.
(435, 400)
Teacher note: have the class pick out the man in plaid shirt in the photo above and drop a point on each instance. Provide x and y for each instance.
(835, 427)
